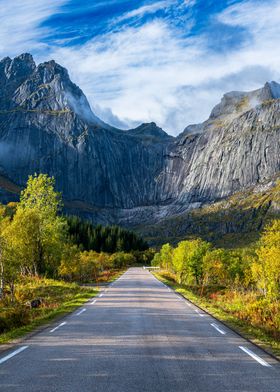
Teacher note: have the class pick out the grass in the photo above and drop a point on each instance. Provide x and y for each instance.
(59, 298)
(225, 314)
(110, 276)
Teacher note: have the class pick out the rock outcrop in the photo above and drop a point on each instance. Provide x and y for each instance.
(128, 177)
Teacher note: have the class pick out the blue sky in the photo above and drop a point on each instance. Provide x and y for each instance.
(167, 61)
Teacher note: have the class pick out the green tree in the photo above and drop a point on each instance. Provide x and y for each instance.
(266, 270)
(181, 265)
(166, 254)
(197, 250)
(36, 233)
(188, 260)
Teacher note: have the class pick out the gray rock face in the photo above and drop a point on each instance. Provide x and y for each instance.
(129, 177)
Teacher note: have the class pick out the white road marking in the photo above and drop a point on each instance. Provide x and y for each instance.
(19, 350)
(81, 311)
(198, 312)
(93, 302)
(100, 295)
(218, 329)
(60, 325)
(255, 356)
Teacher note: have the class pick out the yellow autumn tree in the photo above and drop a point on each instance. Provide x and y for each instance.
(266, 270)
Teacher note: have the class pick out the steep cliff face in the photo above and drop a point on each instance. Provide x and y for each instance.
(128, 177)
(226, 158)
(46, 125)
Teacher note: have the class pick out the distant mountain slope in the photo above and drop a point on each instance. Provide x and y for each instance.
(137, 176)
(232, 222)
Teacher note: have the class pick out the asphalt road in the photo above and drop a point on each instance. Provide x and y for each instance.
(138, 336)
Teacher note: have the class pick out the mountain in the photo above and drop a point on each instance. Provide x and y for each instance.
(135, 176)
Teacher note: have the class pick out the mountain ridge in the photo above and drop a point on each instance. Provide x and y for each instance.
(140, 175)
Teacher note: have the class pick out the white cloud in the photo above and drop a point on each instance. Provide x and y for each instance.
(145, 9)
(20, 21)
(149, 73)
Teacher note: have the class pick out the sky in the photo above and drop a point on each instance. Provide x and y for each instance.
(167, 61)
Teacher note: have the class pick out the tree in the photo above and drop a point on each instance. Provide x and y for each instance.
(180, 261)
(197, 250)
(188, 260)
(108, 239)
(41, 196)
(36, 233)
(156, 260)
(122, 259)
(9, 262)
(166, 254)
(213, 267)
(266, 270)
(69, 268)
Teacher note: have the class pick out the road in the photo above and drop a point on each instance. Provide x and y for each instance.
(138, 335)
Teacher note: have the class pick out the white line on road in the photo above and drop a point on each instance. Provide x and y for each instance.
(218, 329)
(100, 295)
(198, 312)
(93, 302)
(255, 356)
(19, 350)
(81, 311)
(60, 325)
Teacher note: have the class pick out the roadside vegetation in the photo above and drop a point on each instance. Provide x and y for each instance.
(46, 258)
(240, 286)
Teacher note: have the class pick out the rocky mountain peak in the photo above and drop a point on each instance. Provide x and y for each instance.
(237, 102)
(50, 70)
(273, 88)
(150, 132)
(20, 67)
(233, 104)
(46, 88)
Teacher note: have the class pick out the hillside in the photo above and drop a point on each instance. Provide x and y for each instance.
(233, 222)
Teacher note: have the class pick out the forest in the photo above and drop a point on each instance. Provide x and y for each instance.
(42, 252)
(244, 283)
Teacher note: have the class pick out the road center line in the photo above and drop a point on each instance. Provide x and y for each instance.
(19, 350)
(100, 295)
(255, 356)
(60, 325)
(81, 311)
(93, 302)
(218, 329)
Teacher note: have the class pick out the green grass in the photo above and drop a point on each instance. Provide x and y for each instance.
(59, 298)
(255, 334)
